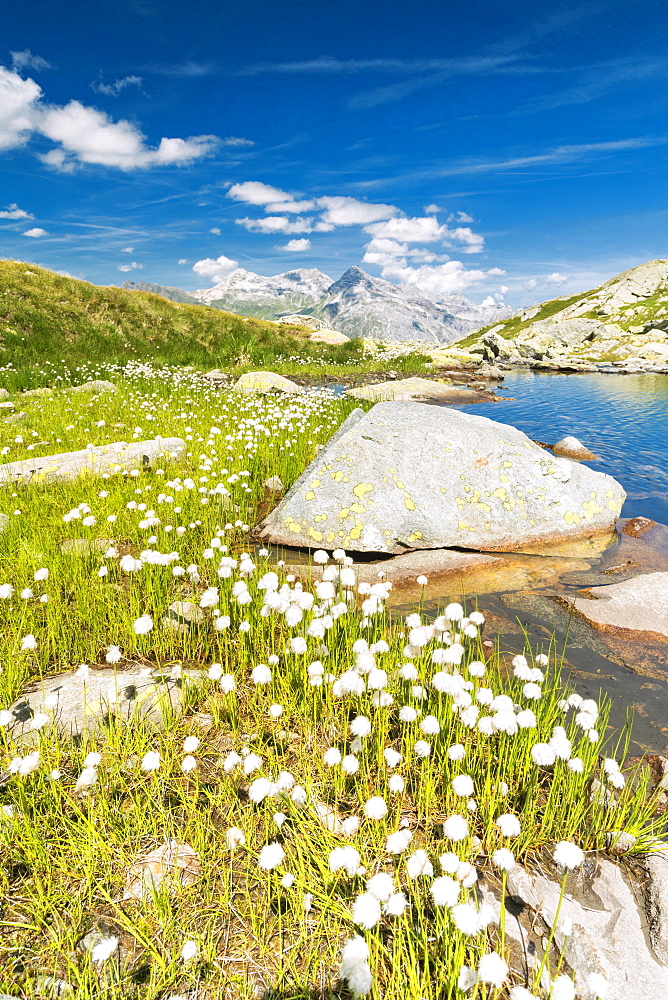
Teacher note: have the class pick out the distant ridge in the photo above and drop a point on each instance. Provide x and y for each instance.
(357, 304)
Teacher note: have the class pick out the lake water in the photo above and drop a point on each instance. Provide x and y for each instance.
(622, 418)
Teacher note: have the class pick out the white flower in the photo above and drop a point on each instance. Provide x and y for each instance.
(354, 968)
(190, 744)
(418, 864)
(395, 905)
(189, 951)
(521, 993)
(467, 978)
(360, 726)
(275, 711)
(41, 574)
(92, 759)
(350, 826)
(509, 825)
(271, 856)
(188, 764)
(261, 789)
(422, 748)
(543, 755)
(28, 642)
(104, 950)
(215, 672)
(129, 564)
(568, 855)
(504, 859)
(332, 757)
(347, 858)
(462, 785)
(454, 612)
(113, 654)
(408, 714)
(562, 989)
(465, 918)
(430, 725)
(456, 752)
(86, 779)
(143, 625)
(366, 910)
(576, 765)
(227, 683)
(397, 843)
(396, 784)
(350, 764)
(492, 969)
(375, 807)
(251, 763)
(532, 691)
(150, 761)
(381, 886)
(235, 837)
(392, 757)
(455, 828)
(445, 891)
(261, 674)
(28, 764)
(298, 645)
(526, 719)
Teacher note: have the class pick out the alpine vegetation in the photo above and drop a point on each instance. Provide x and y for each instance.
(218, 781)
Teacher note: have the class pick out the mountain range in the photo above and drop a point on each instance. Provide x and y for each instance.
(357, 304)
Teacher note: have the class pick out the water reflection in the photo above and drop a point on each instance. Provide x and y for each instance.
(622, 418)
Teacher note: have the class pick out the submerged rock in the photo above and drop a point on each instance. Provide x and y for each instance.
(570, 447)
(415, 389)
(638, 605)
(412, 476)
(265, 382)
(91, 461)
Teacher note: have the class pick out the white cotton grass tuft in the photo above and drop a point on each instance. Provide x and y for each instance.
(103, 950)
(568, 855)
(492, 969)
(150, 761)
(366, 910)
(508, 824)
(375, 808)
(271, 856)
(455, 828)
(354, 968)
(445, 891)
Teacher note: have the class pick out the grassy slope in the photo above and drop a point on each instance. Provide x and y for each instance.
(47, 317)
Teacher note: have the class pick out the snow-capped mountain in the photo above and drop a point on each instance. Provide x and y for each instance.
(357, 305)
(255, 295)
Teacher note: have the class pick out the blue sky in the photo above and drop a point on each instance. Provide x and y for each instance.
(516, 150)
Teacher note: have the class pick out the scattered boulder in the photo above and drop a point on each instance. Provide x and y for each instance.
(91, 461)
(216, 375)
(44, 391)
(82, 702)
(410, 476)
(184, 613)
(85, 546)
(95, 385)
(4, 521)
(570, 447)
(414, 388)
(274, 484)
(637, 605)
(4, 393)
(265, 382)
(328, 336)
(7, 406)
(16, 418)
(172, 865)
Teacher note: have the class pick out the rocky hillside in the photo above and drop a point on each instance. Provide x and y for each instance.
(624, 320)
(356, 304)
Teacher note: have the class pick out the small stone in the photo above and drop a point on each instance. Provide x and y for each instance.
(570, 447)
(172, 864)
(4, 393)
(619, 842)
(44, 391)
(637, 526)
(7, 405)
(265, 382)
(85, 546)
(95, 385)
(186, 613)
(274, 484)
(215, 375)
(50, 986)
(16, 418)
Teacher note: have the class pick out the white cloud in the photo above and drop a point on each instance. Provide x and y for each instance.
(341, 211)
(35, 233)
(460, 217)
(289, 206)
(182, 261)
(216, 231)
(296, 246)
(386, 253)
(132, 266)
(276, 224)
(440, 280)
(472, 242)
(431, 209)
(257, 193)
(214, 270)
(128, 250)
(556, 278)
(25, 59)
(422, 229)
(18, 99)
(84, 134)
(115, 88)
(14, 212)
(236, 140)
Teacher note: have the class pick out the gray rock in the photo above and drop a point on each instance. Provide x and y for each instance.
(76, 703)
(186, 613)
(43, 391)
(85, 546)
(412, 476)
(16, 418)
(265, 382)
(95, 385)
(570, 447)
(639, 604)
(4, 393)
(414, 388)
(4, 521)
(619, 842)
(656, 868)
(51, 986)
(216, 375)
(92, 461)
(274, 484)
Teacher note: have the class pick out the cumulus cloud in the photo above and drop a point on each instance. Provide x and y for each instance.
(276, 224)
(289, 206)
(431, 209)
(35, 233)
(439, 280)
(25, 59)
(257, 193)
(341, 211)
(296, 246)
(14, 212)
(216, 231)
(182, 261)
(460, 217)
(115, 88)
(214, 270)
(132, 266)
(84, 134)
(421, 229)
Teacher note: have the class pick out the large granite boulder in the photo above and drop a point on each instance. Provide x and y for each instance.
(412, 476)
(91, 461)
(265, 382)
(636, 605)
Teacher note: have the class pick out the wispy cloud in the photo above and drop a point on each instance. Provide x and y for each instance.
(115, 88)
(14, 212)
(25, 59)
(187, 68)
